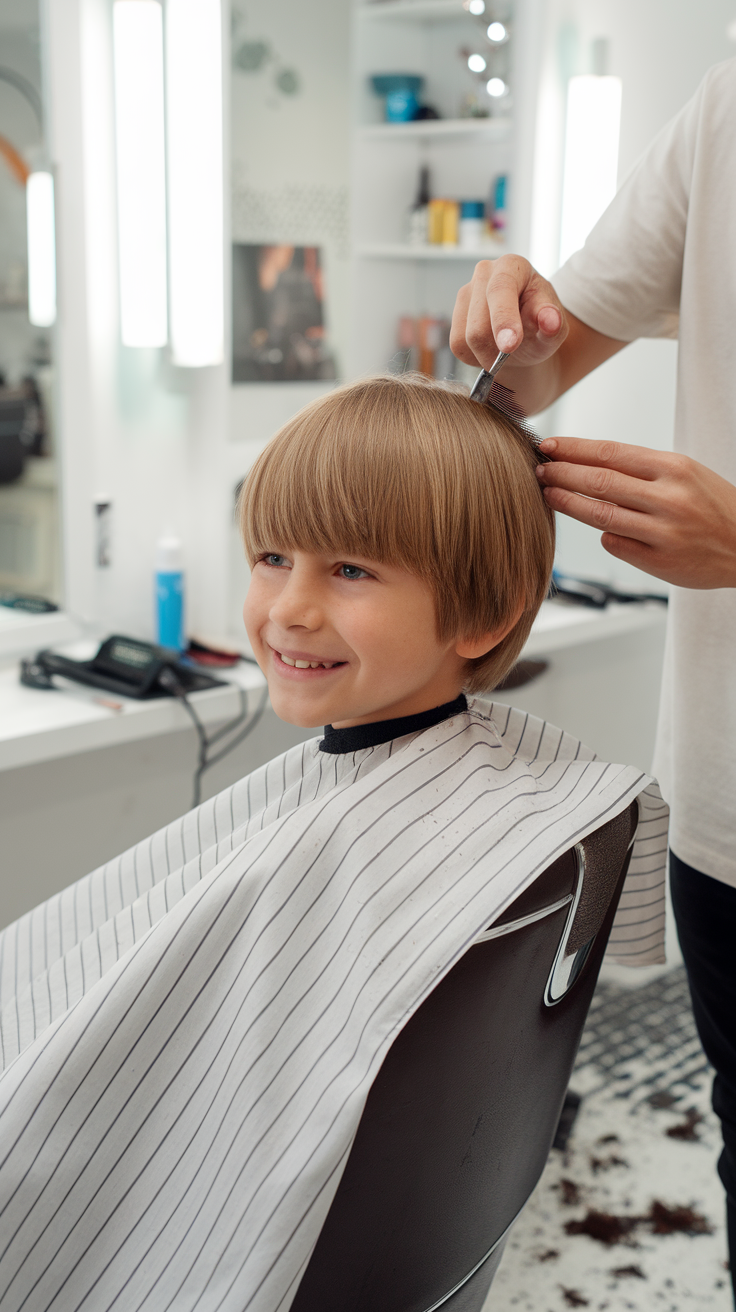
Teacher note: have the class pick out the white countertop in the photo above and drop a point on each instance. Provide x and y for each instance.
(21, 633)
(562, 624)
(38, 725)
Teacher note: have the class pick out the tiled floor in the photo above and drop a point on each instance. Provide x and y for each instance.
(642, 1073)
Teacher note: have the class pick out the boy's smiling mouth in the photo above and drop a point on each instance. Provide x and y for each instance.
(305, 664)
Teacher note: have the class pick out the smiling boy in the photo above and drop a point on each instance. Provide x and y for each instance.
(189, 1034)
(415, 573)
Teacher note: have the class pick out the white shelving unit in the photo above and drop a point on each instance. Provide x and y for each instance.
(403, 251)
(411, 10)
(391, 278)
(494, 129)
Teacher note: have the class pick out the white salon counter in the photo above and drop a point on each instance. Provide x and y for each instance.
(37, 725)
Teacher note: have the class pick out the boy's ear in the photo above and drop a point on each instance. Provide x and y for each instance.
(470, 649)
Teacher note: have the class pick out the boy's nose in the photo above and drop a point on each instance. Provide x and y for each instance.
(296, 606)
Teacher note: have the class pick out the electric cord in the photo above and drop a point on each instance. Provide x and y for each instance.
(205, 741)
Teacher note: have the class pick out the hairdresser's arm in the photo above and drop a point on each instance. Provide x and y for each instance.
(508, 306)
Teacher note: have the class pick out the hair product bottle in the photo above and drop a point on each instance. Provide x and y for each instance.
(170, 594)
(418, 215)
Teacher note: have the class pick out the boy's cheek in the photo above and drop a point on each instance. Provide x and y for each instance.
(253, 621)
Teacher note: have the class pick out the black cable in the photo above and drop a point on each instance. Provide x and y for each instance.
(168, 679)
(258, 712)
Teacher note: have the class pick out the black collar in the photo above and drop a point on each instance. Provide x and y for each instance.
(357, 736)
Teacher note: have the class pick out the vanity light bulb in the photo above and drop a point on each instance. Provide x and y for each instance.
(496, 87)
(477, 64)
(477, 7)
(496, 32)
(41, 249)
(195, 177)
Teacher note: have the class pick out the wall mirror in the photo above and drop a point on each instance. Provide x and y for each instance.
(29, 540)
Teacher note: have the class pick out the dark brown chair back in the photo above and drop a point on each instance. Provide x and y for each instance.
(461, 1116)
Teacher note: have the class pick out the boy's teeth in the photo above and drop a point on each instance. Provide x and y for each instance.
(306, 665)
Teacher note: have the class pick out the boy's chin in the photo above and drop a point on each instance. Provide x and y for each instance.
(302, 717)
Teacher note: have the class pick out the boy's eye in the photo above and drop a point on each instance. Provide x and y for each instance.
(353, 572)
(276, 561)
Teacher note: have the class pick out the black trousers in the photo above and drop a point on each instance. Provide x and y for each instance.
(705, 910)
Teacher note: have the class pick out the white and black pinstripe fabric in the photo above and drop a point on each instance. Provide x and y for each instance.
(190, 1032)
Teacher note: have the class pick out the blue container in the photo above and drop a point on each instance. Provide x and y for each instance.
(170, 610)
(402, 91)
(170, 595)
(472, 209)
(401, 107)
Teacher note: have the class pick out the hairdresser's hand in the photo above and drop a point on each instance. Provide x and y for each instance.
(510, 307)
(664, 513)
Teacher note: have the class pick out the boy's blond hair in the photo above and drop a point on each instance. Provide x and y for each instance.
(411, 472)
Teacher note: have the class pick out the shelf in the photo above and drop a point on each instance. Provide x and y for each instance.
(494, 129)
(421, 11)
(402, 251)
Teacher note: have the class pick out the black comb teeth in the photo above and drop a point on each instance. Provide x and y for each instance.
(504, 400)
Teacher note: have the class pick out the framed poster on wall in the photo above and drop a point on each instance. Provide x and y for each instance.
(278, 315)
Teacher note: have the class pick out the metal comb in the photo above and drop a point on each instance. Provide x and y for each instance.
(487, 391)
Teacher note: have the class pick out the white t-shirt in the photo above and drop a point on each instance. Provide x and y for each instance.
(661, 262)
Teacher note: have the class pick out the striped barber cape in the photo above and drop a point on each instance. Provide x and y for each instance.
(189, 1033)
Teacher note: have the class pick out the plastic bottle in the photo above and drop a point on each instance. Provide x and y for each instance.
(170, 594)
(418, 215)
(450, 223)
(498, 214)
(472, 224)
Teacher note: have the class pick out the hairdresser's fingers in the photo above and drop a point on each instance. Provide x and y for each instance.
(603, 515)
(639, 461)
(641, 554)
(603, 484)
(484, 338)
(458, 339)
(508, 307)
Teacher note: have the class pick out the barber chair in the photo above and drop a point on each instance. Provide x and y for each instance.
(460, 1119)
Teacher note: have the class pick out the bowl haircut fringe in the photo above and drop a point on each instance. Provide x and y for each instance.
(409, 471)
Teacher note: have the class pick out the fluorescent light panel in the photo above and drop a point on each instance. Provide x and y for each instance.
(41, 249)
(591, 157)
(195, 174)
(141, 170)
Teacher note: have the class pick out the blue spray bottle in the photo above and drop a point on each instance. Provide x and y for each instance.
(170, 594)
